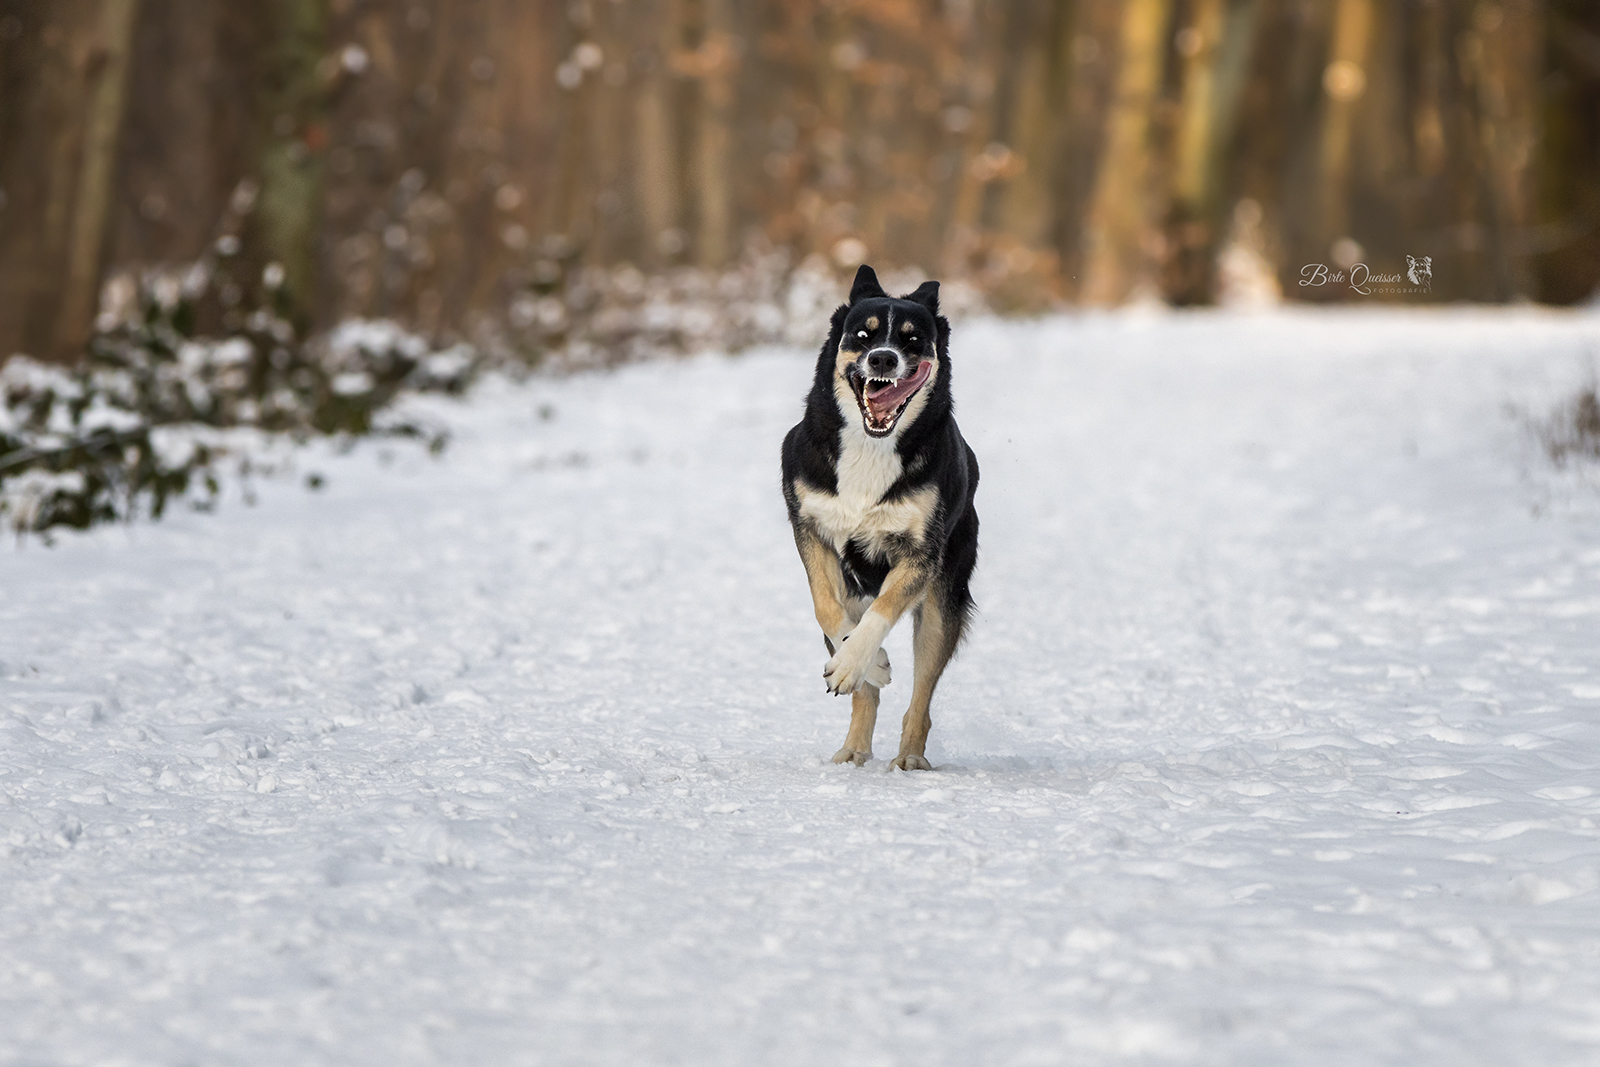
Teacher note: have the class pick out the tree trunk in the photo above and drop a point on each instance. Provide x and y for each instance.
(1023, 207)
(1218, 43)
(295, 117)
(1344, 81)
(655, 162)
(107, 68)
(1502, 63)
(1566, 243)
(1118, 260)
(714, 240)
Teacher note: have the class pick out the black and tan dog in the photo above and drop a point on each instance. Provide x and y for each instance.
(879, 484)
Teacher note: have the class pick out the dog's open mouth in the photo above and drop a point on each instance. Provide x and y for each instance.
(882, 400)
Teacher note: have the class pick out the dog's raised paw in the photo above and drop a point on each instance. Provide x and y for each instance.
(912, 762)
(851, 755)
(845, 672)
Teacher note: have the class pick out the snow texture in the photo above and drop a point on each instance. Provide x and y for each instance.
(1275, 741)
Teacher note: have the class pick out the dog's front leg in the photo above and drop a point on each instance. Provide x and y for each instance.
(857, 747)
(852, 663)
(826, 578)
(829, 598)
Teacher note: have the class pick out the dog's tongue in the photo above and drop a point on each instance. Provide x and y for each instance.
(886, 399)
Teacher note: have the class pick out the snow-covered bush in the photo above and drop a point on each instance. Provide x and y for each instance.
(150, 410)
(1573, 431)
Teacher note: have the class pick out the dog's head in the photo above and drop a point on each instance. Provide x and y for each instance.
(889, 355)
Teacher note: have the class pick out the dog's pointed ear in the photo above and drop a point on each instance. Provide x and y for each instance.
(926, 294)
(866, 285)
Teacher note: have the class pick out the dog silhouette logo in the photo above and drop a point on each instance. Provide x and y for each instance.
(1420, 271)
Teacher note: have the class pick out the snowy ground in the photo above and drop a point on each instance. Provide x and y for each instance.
(1276, 741)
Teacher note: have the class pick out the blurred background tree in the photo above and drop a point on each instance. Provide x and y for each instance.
(442, 162)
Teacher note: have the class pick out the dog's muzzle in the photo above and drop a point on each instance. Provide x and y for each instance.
(881, 393)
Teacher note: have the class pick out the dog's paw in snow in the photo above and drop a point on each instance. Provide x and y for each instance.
(852, 755)
(912, 762)
(851, 668)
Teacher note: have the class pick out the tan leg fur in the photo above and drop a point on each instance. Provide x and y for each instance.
(934, 641)
(863, 717)
(827, 584)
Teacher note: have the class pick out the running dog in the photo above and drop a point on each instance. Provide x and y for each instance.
(879, 484)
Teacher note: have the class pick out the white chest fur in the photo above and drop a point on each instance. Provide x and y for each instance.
(867, 468)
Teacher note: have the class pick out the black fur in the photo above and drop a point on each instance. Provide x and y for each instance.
(931, 449)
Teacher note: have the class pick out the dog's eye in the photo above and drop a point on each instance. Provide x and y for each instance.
(862, 334)
(911, 340)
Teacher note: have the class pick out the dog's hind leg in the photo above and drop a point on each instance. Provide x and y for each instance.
(934, 640)
(940, 622)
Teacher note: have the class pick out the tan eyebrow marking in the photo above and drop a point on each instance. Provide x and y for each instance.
(872, 322)
(907, 327)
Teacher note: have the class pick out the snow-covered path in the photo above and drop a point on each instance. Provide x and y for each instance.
(1277, 740)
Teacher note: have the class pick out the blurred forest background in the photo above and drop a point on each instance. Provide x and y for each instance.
(493, 170)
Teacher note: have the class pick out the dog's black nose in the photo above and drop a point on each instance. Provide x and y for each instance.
(882, 364)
